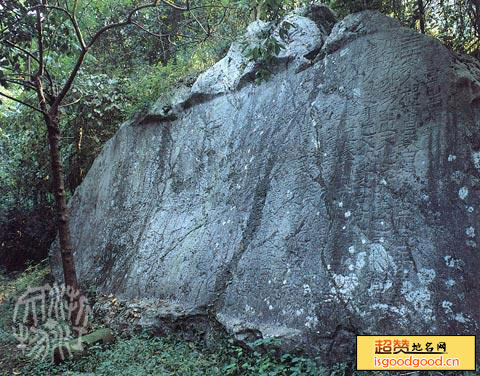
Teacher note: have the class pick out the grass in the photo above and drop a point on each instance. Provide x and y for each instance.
(142, 354)
(139, 354)
(10, 289)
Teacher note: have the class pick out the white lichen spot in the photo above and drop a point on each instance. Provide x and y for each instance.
(476, 159)
(313, 103)
(360, 263)
(383, 182)
(346, 284)
(329, 267)
(348, 214)
(270, 307)
(340, 204)
(351, 267)
(379, 259)
(460, 317)
(284, 281)
(249, 309)
(453, 263)
(311, 322)
(357, 92)
(351, 249)
(426, 276)
(470, 231)
(419, 297)
(299, 312)
(344, 227)
(451, 158)
(364, 240)
(470, 209)
(463, 193)
(381, 306)
(306, 289)
(269, 281)
(447, 307)
(401, 312)
(381, 240)
(379, 287)
(449, 261)
(318, 213)
(450, 282)
(471, 243)
(382, 223)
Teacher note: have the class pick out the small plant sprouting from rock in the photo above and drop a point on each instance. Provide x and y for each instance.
(266, 51)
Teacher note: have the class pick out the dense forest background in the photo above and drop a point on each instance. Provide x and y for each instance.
(125, 71)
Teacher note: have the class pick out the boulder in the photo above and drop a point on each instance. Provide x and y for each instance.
(329, 201)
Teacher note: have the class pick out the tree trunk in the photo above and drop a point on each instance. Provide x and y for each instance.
(168, 31)
(254, 13)
(66, 247)
(53, 129)
(421, 15)
(77, 314)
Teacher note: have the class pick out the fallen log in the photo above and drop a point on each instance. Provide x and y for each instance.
(77, 347)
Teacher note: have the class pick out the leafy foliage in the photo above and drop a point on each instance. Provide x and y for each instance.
(129, 68)
(125, 70)
(264, 53)
(143, 354)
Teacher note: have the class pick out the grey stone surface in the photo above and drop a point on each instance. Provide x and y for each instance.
(304, 36)
(339, 200)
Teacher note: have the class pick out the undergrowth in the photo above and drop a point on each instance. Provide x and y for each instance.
(143, 354)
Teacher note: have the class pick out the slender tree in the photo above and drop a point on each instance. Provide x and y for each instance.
(420, 15)
(24, 63)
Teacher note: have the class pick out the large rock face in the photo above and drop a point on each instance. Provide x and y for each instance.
(340, 197)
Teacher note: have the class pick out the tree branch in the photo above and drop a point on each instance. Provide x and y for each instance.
(178, 7)
(22, 49)
(23, 83)
(168, 35)
(40, 43)
(71, 103)
(73, 20)
(74, 10)
(81, 57)
(22, 102)
(127, 21)
(28, 53)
